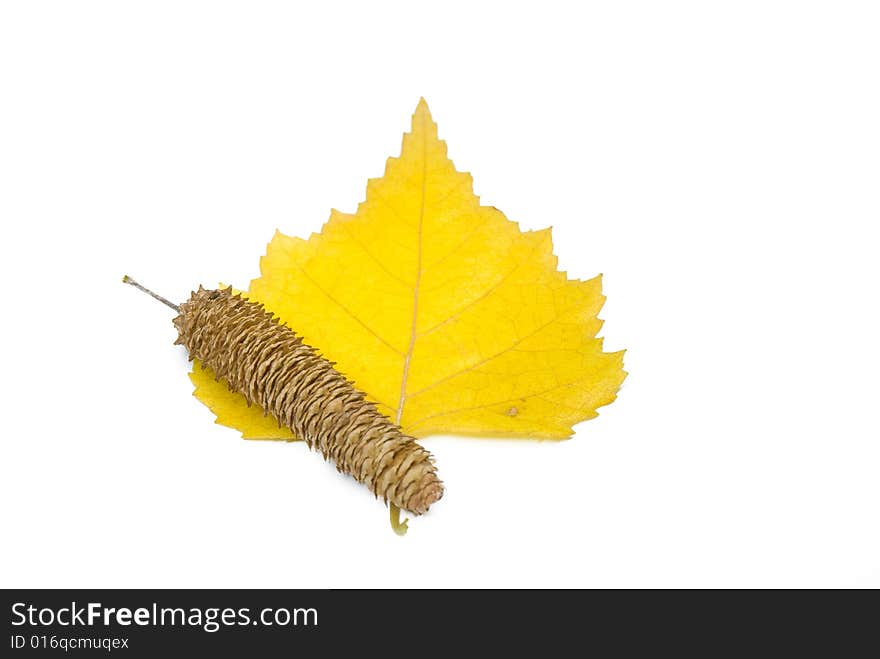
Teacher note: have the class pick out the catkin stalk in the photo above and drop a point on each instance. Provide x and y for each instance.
(271, 366)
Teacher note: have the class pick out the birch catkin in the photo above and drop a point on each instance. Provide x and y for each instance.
(268, 363)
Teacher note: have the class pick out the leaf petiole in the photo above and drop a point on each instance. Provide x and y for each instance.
(400, 528)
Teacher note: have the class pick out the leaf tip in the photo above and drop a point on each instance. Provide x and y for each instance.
(422, 115)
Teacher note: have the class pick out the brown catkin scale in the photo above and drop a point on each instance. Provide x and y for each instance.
(268, 363)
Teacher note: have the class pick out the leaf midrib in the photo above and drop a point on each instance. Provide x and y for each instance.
(418, 279)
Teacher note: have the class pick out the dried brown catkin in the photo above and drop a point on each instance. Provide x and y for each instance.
(268, 363)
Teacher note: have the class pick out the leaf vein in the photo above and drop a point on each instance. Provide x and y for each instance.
(348, 311)
(415, 314)
(490, 358)
(366, 251)
(482, 297)
(497, 402)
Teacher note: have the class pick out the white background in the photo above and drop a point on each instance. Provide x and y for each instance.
(718, 162)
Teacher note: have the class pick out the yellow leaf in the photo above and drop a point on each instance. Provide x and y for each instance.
(232, 408)
(442, 310)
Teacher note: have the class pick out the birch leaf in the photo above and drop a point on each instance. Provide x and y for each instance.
(451, 318)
